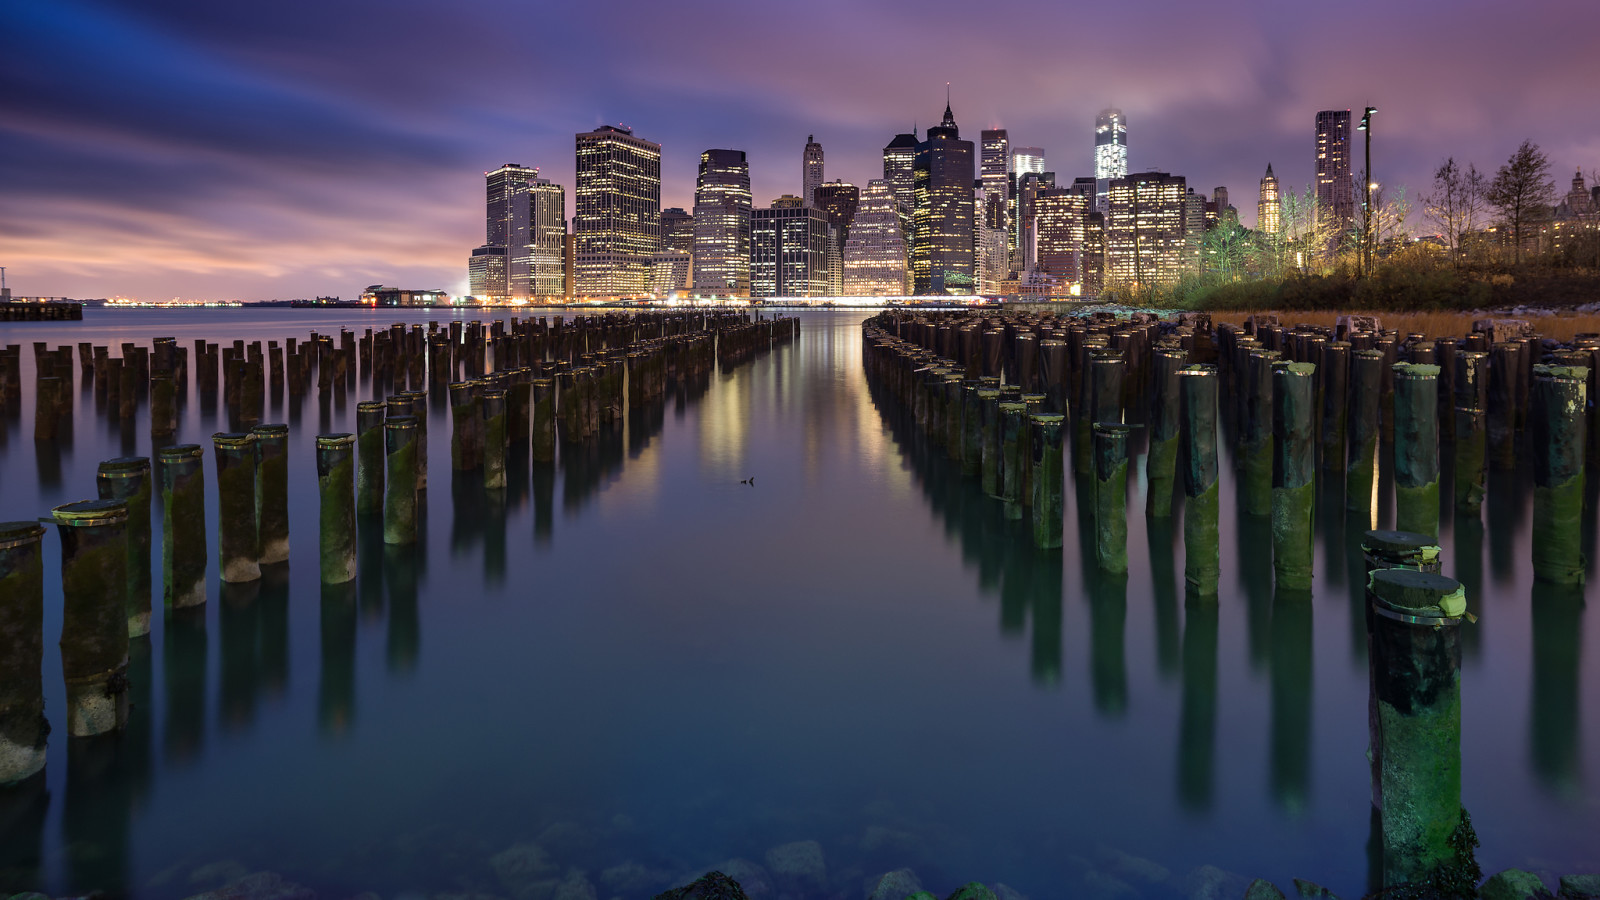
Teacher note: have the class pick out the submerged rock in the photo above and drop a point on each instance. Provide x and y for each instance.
(1130, 868)
(896, 885)
(1097, 885)
(799, 865)
(527, 871)
(1514, 884)
(1003, 891)
(632, 879)
(1211, 883)
(973, 890)
(710, 886)
(574, 887)
(1310, 890)
(1580, 887)
(259, 886)
(221, 872)
(1262, 889)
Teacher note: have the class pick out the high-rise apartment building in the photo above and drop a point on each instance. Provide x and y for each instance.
(1025, 237)
(899, 170)
(486, 273)
(1147, 228)
(875, 251)
(995, 173)
(1269, 207)
(616, 219)
(942, 251)
(991, 244)
(789, 250)
(1110, 153)
(722, 224)
(811, 170)
(1093, 260)
(1336, 198)
(677, 230)
(509, 225)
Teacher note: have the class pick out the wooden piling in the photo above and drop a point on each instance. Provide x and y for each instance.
(127, 479)
(94, 622)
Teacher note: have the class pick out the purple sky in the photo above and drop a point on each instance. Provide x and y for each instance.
(166, 148)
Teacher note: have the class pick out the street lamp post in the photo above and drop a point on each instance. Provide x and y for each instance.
(1366, 208)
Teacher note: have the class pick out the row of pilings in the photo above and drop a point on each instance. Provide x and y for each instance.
(375, 478)
(996, 391)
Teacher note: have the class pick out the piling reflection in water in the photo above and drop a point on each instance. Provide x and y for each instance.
(185, 645)
(336, 690)
(1554, 732)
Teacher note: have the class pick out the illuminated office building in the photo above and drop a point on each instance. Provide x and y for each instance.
(899, 170)
(875, 251)
(838, 201)
(995, 174)
(670, 270)
(509, 225)
(1093, 261)
(1025, 160)
(677, 230)
(789, 250)
(486, 272)
(991, 245)
(1147, 233)
(1336, 199)
(1110, 153)
(616, 221)
(810, 170)
(547, 239)
(722, 224)
(1025, 237)
(1269, 208)
(1059, 215)
(942, 251)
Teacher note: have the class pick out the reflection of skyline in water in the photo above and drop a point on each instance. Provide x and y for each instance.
(1172, 730)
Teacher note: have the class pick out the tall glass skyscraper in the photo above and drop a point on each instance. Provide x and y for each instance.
(1110, 153)
(1025, 160)
(509, 226)
(1336, 199)
(942, 252)
(789, 250)
(1148, 228)
(899, 164)
(616, 221)
(722, 224)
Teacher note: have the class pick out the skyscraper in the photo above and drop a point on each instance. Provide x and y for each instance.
(509, 225)
(486, 272)
(1110, 153)
(875, 251)
(838, 201)
(1147, 230)
(677, 230)
(547, 239)
(1336, 199)
(810, 170)
(995, 168)
(788, 250)
(1269, 208)
(1060, 214)
(1025, 160)
(616, 219)
(899, 165)
(942, 252)
(722, 224)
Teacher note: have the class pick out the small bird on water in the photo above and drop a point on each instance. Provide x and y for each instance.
(750, 481)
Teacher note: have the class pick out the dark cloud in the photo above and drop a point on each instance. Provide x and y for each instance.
(312, 147)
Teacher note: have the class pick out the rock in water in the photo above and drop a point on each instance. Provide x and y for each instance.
(799, 866)
(1310, 890)
(1580, 887)
(896, 885)
(1262, 889)
(1513, 884)
(973, 890)
(710, 886)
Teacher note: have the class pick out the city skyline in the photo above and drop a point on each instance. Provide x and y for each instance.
(180, 149)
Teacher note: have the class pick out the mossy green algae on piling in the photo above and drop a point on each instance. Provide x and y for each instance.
(238, 540)
(1416, 448)
(1110, 497)
(337, 514)
(128, 479)
(1293, 475)
(1558, 425)
(400, 494)
(183, 525)
(23, 727)
(1202, 562)
(94, 622)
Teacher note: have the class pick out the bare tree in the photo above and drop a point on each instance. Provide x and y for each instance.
(1523, 192)
(1456, 204)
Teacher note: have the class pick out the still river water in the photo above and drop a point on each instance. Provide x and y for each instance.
(649, 669)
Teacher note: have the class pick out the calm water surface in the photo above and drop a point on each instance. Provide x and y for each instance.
(649, 669)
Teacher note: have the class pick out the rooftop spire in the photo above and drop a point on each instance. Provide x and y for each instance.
(949, 117)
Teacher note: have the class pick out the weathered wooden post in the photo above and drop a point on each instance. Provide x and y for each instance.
(1506, 369)
(1557, 424)
(989, 433)
(163, 405)
(128, 479)
(1110, 497)
(1472, 440)
(1416, 448)
(494, 439)
(466, 427)
(1293, 475)
(1013, 435)
(238, 541)
(183, 526)
(1386, 549)
(94, 622)
(336, 477)
(370, 457)
(400, 491)
(1202, 561)
(1414, 660)
(1161, 462)
(1366, 380)
(23, 727)
(418, 400)
(1048, 474)
(1255, 444)
(1334, 372)
(272, 492)
(544, 420)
